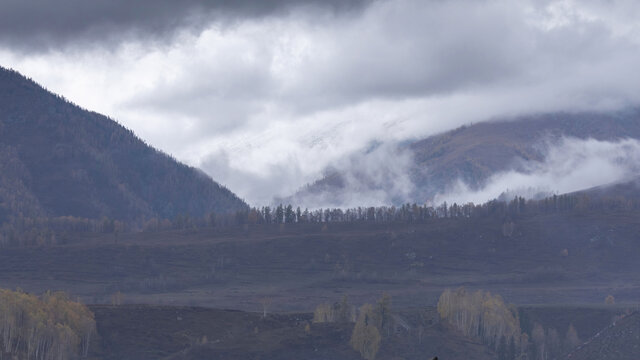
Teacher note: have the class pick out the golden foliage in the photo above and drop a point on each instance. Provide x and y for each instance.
(366, 337)
(539, 341)
(323, 314)
(480, 314)
(610, 300)
(338, 312)
(382, 314)
(49, 327)
(372, 322)
(571, 340)
(116, 299)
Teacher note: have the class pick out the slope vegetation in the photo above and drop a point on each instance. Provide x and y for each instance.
(475, 152)
(57, 159)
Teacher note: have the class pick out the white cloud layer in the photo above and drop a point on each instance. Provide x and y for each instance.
(569, 165)
(379, 175)
(265, 103)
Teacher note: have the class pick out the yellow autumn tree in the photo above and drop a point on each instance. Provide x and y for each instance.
(43, 328)
(366, 337)
(571, 340)
(382, 315)
(323, 314)
(341, 312)
(481, 315)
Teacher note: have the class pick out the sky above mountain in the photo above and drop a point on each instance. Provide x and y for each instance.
(263, 95)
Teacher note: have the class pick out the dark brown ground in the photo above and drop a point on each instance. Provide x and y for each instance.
(152, 332)
(296, 267)
(299, 266)
(619, 341)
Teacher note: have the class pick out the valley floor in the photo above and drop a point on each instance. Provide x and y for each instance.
(176, 332)
(557, 268)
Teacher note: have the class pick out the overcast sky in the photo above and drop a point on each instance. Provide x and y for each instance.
(263, 95)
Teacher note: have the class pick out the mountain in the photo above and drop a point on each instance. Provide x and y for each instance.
(57, 159)
(628, 189)
(471, 154)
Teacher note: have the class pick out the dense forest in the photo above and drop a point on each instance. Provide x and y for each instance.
(44, 230)
(409, 213)
(581, 202)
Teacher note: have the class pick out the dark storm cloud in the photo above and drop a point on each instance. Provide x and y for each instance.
(265, 94)
(43, 24)
(403, 49)
(225, 93)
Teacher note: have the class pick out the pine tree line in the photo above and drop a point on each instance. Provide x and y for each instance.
(26, 231)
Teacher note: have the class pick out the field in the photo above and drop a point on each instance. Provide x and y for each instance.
(548, 259)
(153, 332)
(557, 268)
(177, 332)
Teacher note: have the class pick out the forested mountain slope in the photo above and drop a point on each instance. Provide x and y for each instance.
(475, 152)
(57, 159)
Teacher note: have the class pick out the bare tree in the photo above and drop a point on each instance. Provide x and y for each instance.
(266, 303)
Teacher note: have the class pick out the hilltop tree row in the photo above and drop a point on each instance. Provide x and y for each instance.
(20, 231)
(415, 213)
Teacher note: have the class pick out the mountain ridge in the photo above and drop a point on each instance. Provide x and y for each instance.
(58, 159)
(473, 153)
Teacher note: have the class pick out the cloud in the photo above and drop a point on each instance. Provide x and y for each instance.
(569, 165)
(375, 177)
(410, 49)
(264, 95)
(38, 25)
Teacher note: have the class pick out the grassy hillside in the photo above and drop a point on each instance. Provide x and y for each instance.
(546, 258)
(144, 332)
(558, 266)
